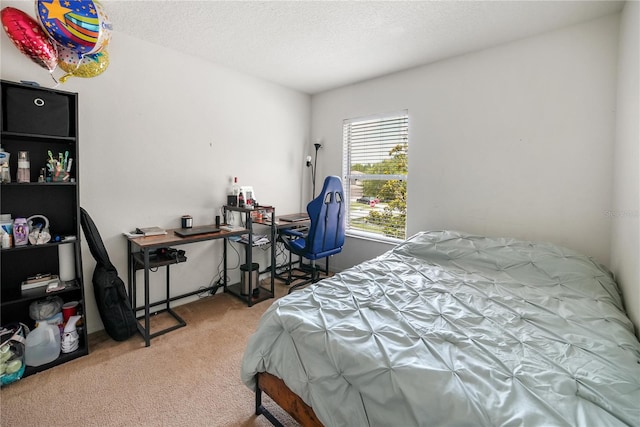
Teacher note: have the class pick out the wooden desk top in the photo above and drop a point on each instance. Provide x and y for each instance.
(172, 239)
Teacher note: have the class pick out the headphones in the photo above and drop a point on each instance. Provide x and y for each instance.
(38, 229)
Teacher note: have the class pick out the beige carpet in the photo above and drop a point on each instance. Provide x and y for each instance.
(187, 377)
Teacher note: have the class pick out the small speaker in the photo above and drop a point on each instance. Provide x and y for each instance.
(217, 220)
(232, 200)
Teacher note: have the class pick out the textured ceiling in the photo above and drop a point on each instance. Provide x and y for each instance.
(314, 46)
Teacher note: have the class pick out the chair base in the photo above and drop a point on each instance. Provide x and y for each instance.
(308, 273)
(311, 274)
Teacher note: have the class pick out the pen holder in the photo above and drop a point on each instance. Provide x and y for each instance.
(60, 176)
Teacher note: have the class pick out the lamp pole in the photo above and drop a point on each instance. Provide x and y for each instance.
(314, 168)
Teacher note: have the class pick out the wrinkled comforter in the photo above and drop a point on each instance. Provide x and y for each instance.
(460, 330)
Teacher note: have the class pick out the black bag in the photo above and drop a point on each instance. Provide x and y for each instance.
(111, 296)
(113, 304)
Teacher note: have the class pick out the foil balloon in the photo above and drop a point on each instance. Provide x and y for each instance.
(105, 35)
(78, 65)
(29, 38)
(81, 25)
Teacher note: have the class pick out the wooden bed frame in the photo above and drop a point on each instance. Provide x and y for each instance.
(290, 402)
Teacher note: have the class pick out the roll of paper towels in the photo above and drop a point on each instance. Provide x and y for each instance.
(66, 258)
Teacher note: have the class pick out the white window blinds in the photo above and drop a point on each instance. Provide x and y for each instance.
(375, 167)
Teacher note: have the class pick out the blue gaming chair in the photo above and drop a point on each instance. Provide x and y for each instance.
(325, 235)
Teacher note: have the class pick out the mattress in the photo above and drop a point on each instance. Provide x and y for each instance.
(455, 329)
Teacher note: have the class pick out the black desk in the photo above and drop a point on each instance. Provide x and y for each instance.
(139, 258)
(252, 217)
(280, 224)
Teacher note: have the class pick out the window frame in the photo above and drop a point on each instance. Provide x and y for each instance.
(349, 175)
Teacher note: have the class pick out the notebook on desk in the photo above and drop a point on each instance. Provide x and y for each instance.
(203, 229)
(294, 218)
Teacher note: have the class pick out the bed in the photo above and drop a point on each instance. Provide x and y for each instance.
(449, 328)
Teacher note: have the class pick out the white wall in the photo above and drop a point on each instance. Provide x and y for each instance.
(512, 141)
(161, 134)
(515, 140)
(625, 232)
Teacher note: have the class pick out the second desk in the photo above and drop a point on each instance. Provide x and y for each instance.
(139, 257)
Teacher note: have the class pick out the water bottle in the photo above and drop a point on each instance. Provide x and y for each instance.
(24, 167)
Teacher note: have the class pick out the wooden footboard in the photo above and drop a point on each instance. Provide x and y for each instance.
(277, 390)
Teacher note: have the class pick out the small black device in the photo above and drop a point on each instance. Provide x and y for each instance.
(217, 220)
(232, 200)
(169, 253)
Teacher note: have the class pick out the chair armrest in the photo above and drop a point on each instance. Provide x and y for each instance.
(293, 232)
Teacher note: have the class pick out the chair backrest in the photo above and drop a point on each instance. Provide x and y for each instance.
(327, 218)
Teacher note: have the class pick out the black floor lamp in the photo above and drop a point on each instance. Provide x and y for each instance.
(313, 167)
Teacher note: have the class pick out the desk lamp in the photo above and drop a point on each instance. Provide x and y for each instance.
(313, 167)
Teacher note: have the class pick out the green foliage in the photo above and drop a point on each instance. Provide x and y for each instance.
(392, 192)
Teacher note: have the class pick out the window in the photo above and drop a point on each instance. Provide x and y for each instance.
(375, 169)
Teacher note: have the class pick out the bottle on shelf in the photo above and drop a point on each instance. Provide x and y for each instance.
(5, 174)
(234, 192)
(235, 188)
(20, 232)
(24, 167)
(241, 200)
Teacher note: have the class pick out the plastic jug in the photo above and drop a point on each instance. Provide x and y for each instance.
(42, 345)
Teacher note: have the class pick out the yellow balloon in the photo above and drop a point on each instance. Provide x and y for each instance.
(77, 65)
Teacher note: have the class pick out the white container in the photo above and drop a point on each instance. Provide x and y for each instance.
(42, 344)
(66, 260)
(6, 230)
(6, 241)
(20, 232)
(6, 224)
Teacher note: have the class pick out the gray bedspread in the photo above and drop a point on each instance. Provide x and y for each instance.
(450, 329)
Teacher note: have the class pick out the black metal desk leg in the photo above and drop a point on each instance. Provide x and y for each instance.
(130, 271)
(224, 269)
(168, 287)
(147, 339)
